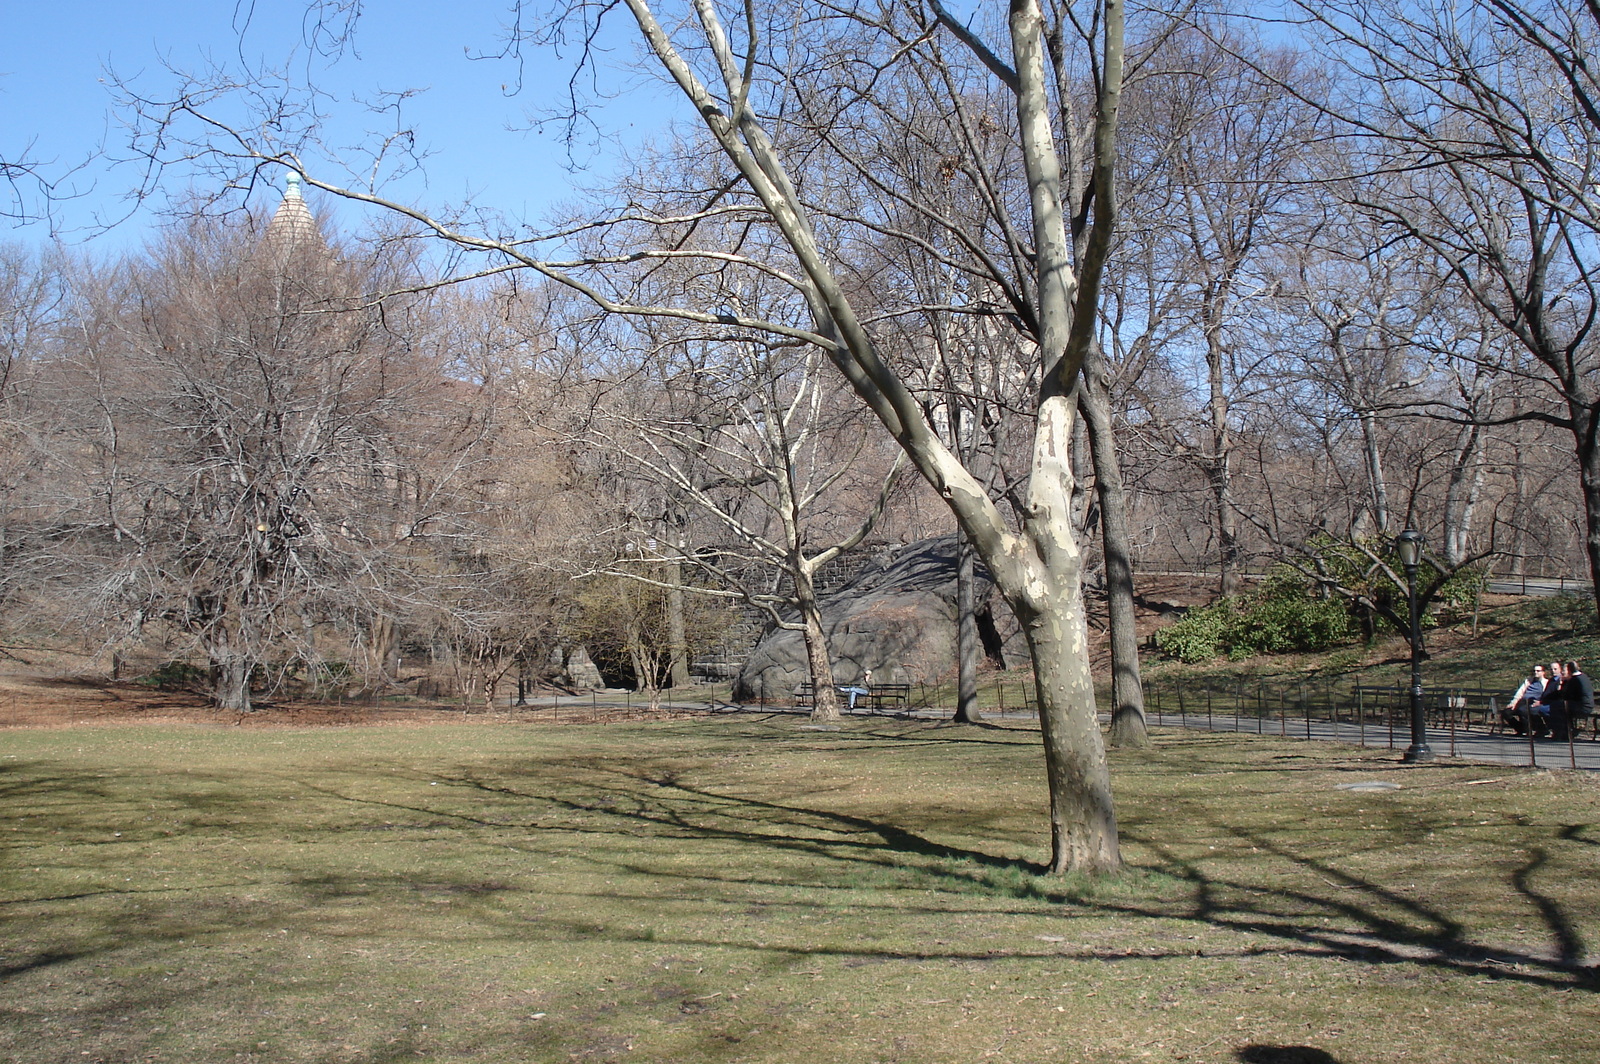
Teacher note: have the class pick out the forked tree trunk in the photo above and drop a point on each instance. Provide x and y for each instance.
(1038, 571)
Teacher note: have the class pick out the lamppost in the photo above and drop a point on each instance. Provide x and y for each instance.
(1409, 546)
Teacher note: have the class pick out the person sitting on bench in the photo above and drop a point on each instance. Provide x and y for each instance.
(1524, 706)
(1575, 702)
(857, 690)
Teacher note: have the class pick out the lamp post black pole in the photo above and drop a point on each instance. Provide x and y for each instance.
(1409, 547)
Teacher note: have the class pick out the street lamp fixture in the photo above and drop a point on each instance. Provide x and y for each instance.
(1408, 545)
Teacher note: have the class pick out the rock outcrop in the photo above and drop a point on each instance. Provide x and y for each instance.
(898, 618)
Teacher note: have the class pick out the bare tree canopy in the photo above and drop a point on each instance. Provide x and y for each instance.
(1476, 137)
(1058, 93)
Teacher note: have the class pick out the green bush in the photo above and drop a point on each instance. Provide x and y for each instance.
(1198, 636)
(176, 676)
(1281, 617)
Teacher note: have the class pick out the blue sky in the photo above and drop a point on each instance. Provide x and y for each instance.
(55, 57)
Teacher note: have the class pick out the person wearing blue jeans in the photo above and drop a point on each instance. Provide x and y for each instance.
(857, 690)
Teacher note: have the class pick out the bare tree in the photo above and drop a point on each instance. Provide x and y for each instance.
(752, 437)
(1484, 120)
(1219, 162)
(34, 299)
(234, 418)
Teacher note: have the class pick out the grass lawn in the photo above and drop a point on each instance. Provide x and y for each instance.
(746, 889)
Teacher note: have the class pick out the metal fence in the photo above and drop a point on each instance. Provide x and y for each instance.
(1264, 708)
(1365, 715)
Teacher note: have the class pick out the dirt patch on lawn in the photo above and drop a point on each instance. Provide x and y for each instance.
(31, 699)
(34, 698)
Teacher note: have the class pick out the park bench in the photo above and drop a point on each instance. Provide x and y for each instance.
(888, 696)
(880, 696)
(1442, 705)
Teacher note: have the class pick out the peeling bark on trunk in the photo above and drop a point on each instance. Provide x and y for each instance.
(1083, 822)
(1046, 593)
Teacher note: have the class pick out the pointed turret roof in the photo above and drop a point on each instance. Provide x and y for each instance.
(292, 225)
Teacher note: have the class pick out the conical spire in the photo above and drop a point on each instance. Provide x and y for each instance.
(292, 225)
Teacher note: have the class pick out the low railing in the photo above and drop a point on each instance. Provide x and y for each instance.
(1366, 715)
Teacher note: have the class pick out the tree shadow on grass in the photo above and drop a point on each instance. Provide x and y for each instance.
(1424, 936)
(637, 800)
(818, 831)
(1380, 924)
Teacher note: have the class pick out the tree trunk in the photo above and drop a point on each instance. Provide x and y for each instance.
(677, 635)
(382, 641)
(967, 650)
(1046, 593)
(1219, 464)
(1377, 487)
(824, 699)
(1519, 498)
(1461, 494)
(1585, 424)
(1127, 690)
(1083, 822)
(632, 632)
(230, 681)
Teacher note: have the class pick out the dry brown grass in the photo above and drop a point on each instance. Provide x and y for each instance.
(742, 889)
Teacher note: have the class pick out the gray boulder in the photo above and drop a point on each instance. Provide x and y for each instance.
(896, 618)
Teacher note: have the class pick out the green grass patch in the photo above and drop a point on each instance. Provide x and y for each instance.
(742, 889)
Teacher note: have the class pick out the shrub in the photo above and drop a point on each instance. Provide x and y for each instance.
(176, 676)
(1282, 616)
(1198, 636)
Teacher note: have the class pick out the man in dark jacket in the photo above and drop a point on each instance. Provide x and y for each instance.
(1576, 702)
